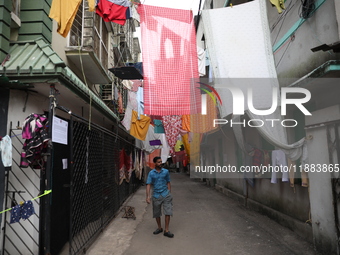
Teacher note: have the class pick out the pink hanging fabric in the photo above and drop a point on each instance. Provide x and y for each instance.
(169, 61)
(172, 125)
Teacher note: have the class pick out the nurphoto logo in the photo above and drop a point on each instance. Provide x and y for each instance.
(238, 104)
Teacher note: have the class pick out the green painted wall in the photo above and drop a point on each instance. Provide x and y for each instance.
(35, 22)
(5, 22)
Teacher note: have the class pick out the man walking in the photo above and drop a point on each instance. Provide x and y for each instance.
(160, 179)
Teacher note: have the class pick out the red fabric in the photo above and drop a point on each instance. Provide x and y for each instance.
(172, 125)
(111, 12)
(120, 103)
(169, 61)
(124, 160)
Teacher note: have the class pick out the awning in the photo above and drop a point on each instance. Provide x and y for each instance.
(35, 62)
(132, 71)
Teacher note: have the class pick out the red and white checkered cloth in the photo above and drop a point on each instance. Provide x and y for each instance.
(169, 61)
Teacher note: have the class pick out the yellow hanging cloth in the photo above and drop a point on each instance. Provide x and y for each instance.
(186, 143)
(92, 5)
(64, 12)
(139, 127)
(279, 5)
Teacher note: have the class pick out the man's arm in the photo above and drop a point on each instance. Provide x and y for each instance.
(148, 193)
(169, 186)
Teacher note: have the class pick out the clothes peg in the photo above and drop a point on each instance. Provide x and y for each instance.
(231, 5)
(21, 203)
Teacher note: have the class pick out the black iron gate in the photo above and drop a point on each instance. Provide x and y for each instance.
(95, 192)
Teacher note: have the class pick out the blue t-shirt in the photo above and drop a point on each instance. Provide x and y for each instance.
(159, 180)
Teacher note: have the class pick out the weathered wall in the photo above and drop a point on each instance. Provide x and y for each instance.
(294, 57)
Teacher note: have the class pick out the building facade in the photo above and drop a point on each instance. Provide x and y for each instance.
(44, 73)
(304, 38)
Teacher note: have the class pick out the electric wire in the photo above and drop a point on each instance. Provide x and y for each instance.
(284, 17)
(284, 53)
(288, 9)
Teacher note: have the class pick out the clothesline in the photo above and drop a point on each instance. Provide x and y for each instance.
(46, 192)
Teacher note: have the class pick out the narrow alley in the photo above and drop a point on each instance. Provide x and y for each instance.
(205, 222)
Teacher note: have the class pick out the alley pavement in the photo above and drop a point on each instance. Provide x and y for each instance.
(204, 222)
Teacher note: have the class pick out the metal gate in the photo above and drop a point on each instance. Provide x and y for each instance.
(95, 192)
(22, 184)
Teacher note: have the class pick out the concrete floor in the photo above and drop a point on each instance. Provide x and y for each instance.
(204, 222)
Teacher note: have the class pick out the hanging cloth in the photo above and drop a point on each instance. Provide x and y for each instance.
(201, 60)
(279, 4)
(36, 143)
(186, 143)
(64, 12)
(138, 170)
(279, 161)
(159, 129)
(139, 127)
(204, 123)
(124, 165)
(120, 103)
(131, 105)
(6, 151)
(169, 61)
(172, 125)
(111, 12)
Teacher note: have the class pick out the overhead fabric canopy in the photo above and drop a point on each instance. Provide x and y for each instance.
(169, 61)
(242, 49)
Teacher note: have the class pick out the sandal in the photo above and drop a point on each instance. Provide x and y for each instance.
(157, 231)
(169, 234)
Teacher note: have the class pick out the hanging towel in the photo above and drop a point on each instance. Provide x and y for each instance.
(169, 61)
(6, 151)
(64, 12)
